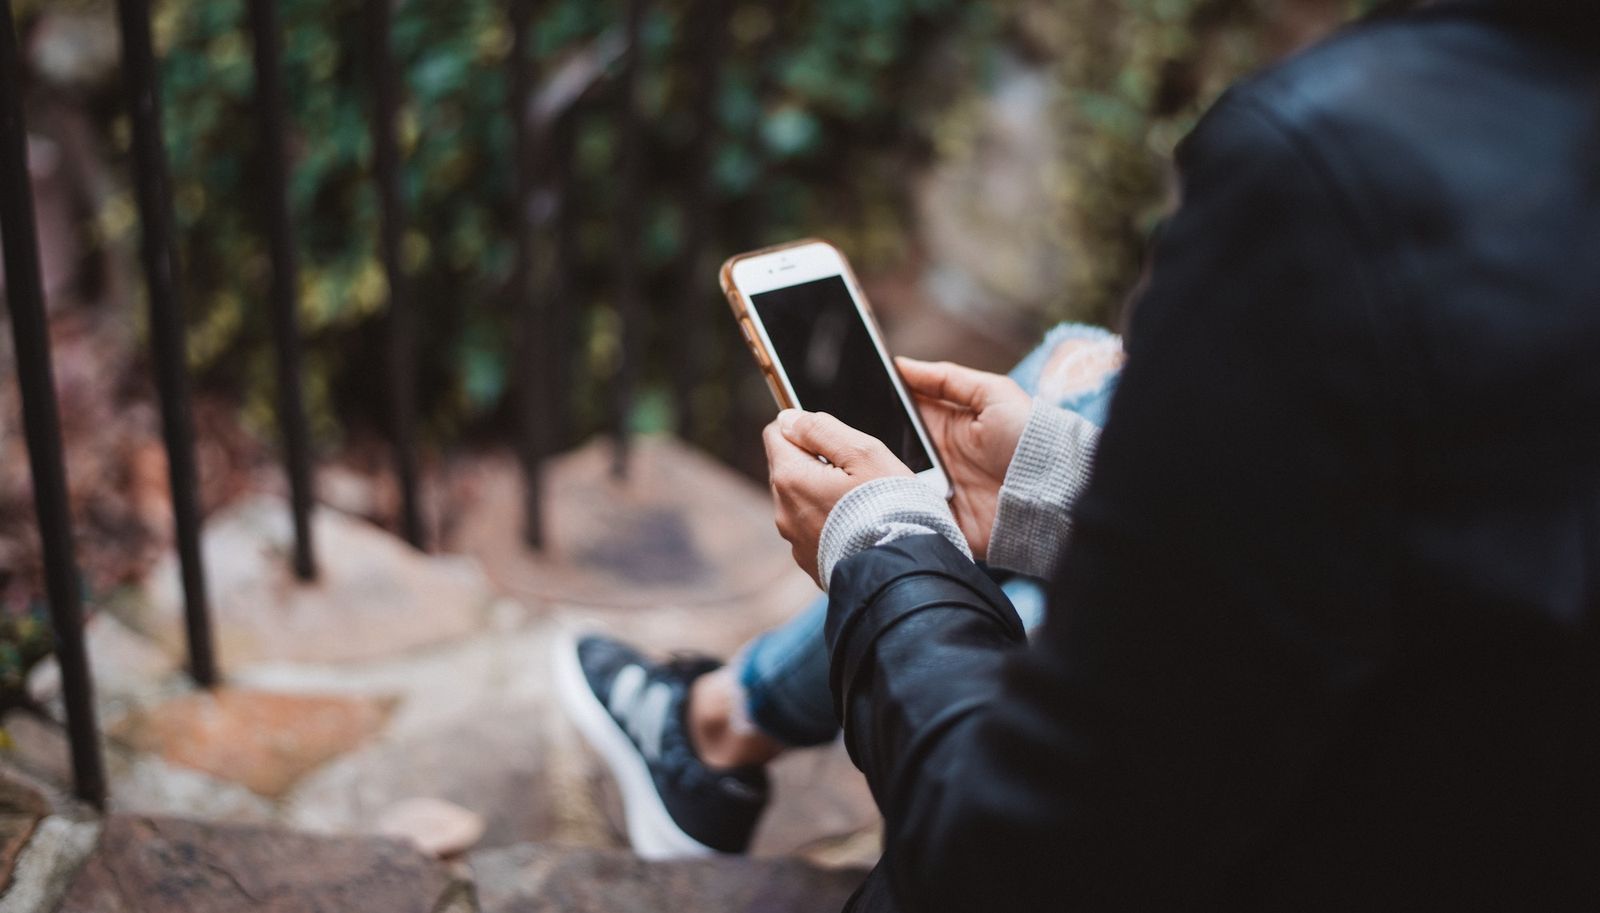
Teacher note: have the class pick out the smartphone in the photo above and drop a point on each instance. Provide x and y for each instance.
(804, 317)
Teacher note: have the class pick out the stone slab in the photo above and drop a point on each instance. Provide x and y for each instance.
(681, 527)
(138, 782)
(48, 864)
(21, 807)
(125, 663)
(38, 746)
(547, 879)
(148, 785)
(375, 596)
(263, 740)
(435, 688)
(148, 864)
(492, 764)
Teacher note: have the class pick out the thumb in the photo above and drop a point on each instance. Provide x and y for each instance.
(826, 436)
(951, 382)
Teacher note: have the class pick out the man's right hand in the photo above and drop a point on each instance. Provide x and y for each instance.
(975, 419)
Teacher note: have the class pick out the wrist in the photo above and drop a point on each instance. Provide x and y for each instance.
(1047, 473)
(881, 511)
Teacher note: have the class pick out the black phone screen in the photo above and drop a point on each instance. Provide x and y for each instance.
(823, 344)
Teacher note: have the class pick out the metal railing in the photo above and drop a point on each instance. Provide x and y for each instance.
(42, 421)
(542, 159)
(278, 225)
(168, 352)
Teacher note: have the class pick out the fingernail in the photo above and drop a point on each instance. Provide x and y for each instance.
(786, 420)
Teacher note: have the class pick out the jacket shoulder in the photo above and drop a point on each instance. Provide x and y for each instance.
(1367, 68)
(1424, 79)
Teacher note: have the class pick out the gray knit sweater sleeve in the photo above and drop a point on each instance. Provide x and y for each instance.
(1046, 475)
(881, 511)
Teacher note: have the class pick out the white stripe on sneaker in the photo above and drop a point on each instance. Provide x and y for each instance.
(651, 830)
(641, 711)
(625, 690)
(649, 718)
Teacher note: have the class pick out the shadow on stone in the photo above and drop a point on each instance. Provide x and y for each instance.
(649, 546)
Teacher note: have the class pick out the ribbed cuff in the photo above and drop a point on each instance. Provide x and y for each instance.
(880, 511)
(1049, 470)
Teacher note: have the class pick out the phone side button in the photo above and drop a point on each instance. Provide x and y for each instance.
(775, 387)
(756, 347)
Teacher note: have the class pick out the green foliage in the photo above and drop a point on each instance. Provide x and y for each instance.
(1117, 60)
(811, 126)
(454, 140)
(1138, 74)
(823, 108)
(24, 641)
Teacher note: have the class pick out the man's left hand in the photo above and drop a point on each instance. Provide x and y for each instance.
(804, 489)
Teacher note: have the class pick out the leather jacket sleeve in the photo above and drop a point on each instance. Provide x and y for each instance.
(1221, 605)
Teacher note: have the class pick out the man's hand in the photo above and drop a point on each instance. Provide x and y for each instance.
(804, 488)
(975, 419)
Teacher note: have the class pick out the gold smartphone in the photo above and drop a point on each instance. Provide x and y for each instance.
(808, 324)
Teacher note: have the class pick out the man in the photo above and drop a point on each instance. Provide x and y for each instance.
(1324, 634)
(688, 739)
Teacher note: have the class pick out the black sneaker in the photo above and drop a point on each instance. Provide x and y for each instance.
(631, 711)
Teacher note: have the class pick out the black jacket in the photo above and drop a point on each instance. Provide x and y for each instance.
(1325, 635)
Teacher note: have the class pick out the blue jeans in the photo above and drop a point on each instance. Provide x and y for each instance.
(784, 671)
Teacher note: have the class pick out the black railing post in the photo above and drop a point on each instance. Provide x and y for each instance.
(401, 345)
(42, 422)
(545, 221)
(706, 49)
(285, 282)
(532, 396)
(563, 346)
(625, 255)
(166, 325)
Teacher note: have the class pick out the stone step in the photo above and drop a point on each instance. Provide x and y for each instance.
(475, 724)
(22, 806)
(374, 596)
(144, 863)
(404, 683)
(541, 878)
(680, 529)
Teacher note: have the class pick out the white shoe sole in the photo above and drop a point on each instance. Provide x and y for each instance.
(651, 830)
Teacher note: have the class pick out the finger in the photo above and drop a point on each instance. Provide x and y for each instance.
(826, 436)
(951, 382)
(940, 417)
(786, 461)
(771, 436)
(779, 450)
(934, 409)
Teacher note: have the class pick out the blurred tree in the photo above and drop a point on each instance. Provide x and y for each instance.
(822, 109)
(811, 133)
(1136, 75)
